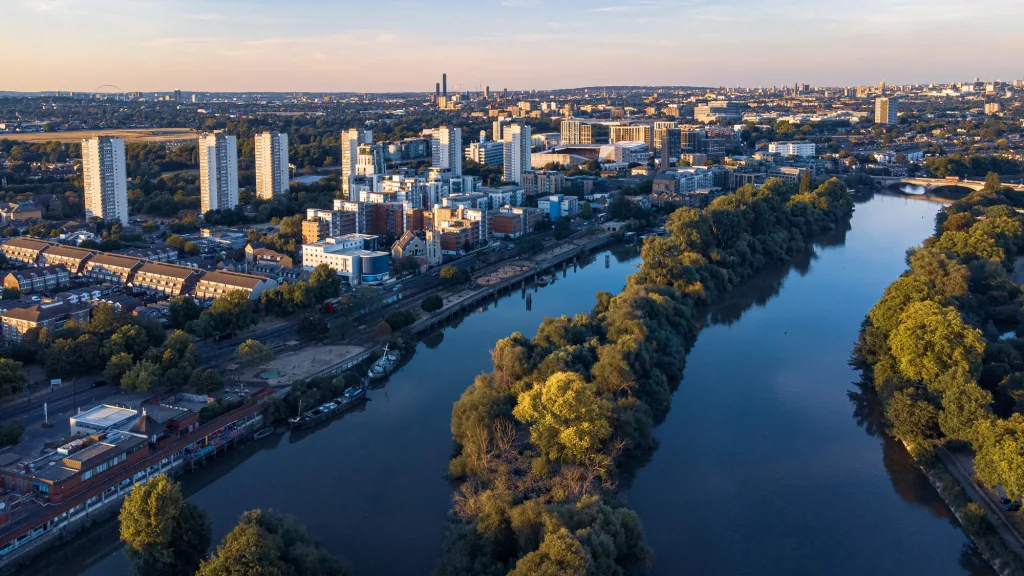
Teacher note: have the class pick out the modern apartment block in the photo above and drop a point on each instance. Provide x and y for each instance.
(802, 149)
(446, 149)
(218, 283)
(169, 279)
(271, 165)
(486, 153)
(630, 133)
(576, 132)
(350, 141)
(104, 178)
(113, 268)
(886, 111)
(517, 152)
(218, 171)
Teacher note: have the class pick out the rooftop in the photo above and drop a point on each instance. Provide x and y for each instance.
(233, 279)
(105, 416)
(115, 260)
(170, 270)
(28, 243)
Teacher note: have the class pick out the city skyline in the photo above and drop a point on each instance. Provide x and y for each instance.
(260, 45)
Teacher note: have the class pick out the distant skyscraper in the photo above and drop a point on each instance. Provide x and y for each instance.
(671, 146)
(517, 152)
(271, 165)
(177, 95)
(218, 171)
(498, 127)
(104, 179)
(444, 85)
(437, 90)
(370, 160)
(487, 92)
(885, 111)
(350, 141)
(446, 149)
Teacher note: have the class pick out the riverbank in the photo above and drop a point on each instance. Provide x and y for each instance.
(994, 539)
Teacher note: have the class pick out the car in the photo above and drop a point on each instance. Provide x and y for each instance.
(1012, 507)
(99, 383)
(1004, 500)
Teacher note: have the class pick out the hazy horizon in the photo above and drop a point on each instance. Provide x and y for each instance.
(400, 46)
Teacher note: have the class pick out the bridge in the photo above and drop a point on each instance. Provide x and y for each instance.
(930, 184)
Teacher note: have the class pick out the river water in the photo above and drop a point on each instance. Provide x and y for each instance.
(766, 465)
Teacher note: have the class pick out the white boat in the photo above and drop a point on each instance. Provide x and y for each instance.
(384, 365)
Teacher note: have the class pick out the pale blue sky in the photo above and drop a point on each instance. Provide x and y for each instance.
(404, 45)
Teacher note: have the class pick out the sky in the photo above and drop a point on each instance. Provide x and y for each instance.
(405, 45)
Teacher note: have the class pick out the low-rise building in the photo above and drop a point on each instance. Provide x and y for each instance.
(71, 257)
(162, 278)
(260, 255)
(315, 230)
(423, 245)
(38, 279)
(20, 212)
(558, 206)
(218, 283)
(112, 268)
(802, 149)
(24, 249)
(49, 315)
(153, 254)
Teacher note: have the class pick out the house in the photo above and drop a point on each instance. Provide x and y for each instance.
(71, 257)
(49, 315)
(24, 249)
(423, 245)
(163, 278)
(20, 212)
(38, 279)
(113, 268)
(218, 283)
(259, 254)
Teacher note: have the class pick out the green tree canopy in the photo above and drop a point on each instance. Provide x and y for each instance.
(569, 421)
(253, 353)
(163, 534)
(932, 341)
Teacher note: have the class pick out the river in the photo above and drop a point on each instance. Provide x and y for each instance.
(765, 466)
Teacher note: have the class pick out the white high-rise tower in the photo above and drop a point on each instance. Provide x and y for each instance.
(885, 111)
(271, 165)
(350, 141)
(446, 149)
(218, 171)
(104, 179)
(517, 151)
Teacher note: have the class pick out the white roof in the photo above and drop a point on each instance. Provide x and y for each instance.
(104, 416)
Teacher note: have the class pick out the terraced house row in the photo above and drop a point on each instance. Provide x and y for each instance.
(47, 267)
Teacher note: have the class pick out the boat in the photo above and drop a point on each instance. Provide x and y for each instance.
(352, 396)
(384, 365)
(314, 416)
(263, 433)
(543, 281)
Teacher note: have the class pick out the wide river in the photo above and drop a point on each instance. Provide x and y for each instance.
(767, 464)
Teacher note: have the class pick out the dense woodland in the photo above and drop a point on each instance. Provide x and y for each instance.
(942, 349)
(543, 441)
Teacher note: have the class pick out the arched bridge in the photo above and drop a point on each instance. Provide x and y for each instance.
(930, 184)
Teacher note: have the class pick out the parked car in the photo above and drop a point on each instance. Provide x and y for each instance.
(1012, 507)
(99, 383)
(1004, 500)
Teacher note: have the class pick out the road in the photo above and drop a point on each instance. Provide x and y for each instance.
(64, 399)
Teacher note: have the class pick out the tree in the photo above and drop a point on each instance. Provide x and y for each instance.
(206, 381)
(254, 354)
(400, 319)
(313, 326)
(326, 283)
(559, 554)
(568, 420)
(913, 420)
(11, 294)
(268, 544)
(129, 339)
(164, 535)
(118, 366)
(932, 341)
(10, 433)
(992, 183)
(182, 310)
(451, 275)
(432, 303)
(231, 312)
(806, 184)
(141, 377)
(586, 211)
(12, 378)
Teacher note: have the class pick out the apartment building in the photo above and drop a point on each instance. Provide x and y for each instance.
(49, 315)
(543, 183)
(70, 256)
(170, 279)
(801, 149)
(104, 179)
(24, 250)
(219, 282)
(218, 171)
(271, 165)
(113, 268)
(39, 279)
(517, 151)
